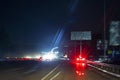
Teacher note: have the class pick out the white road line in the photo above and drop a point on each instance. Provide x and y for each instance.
(55, 76)
(50, 73)
(114, 74)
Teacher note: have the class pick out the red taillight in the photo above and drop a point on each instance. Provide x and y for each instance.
(80, 59)
(77, 72)
(83, 64)
(77, 59)
(77, 64)
(83, 59)
(80, 73)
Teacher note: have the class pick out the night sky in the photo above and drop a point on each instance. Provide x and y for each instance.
(36, 22)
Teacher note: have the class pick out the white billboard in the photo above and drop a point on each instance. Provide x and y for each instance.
(81, 35)
(115, 33)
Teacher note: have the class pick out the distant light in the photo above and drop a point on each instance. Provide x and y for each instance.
(77, 72)
(83, 73)
(83, 59)
(77, 64)
(77, 59)
(37, 56)
(65, 56)
(80, 57)
(83, 64)
(80, 73)
(49, 56)
(28, 57)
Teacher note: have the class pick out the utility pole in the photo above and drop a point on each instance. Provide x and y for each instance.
(104, 30)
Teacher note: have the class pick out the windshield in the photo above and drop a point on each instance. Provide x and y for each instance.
(59, 40)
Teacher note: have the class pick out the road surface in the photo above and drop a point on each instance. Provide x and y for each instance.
(56, 70)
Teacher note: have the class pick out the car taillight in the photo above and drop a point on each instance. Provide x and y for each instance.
(83, 59)
(77, 59)
(83, 64)
(80, 59)
(80, 73)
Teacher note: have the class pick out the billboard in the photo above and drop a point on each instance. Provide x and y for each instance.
(81, 35)
(115, 33)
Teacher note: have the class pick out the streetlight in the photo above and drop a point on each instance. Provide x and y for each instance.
(104, 31)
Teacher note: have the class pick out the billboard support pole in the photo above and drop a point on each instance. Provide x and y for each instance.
(79, 36)
(80, 48)
(75, 49)
(104, 32)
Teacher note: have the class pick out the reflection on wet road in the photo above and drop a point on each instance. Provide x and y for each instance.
(56, 70)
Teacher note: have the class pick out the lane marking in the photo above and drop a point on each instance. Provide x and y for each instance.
(55, 76)
(111, 73)
(50, 73)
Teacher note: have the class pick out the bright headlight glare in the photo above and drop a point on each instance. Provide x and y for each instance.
(49, 56)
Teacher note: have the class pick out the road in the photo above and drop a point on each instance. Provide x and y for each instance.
(56, 70)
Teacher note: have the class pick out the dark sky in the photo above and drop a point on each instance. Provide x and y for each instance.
(36, 22)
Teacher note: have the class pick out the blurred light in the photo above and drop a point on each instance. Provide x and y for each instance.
(77, 64)
(52, 50)
(83, 59)
(77, 72)
(28, 57)
(77, 59)
(80, 73)
(80, 57)
(83, 73)
(37, 56)
(65, 56)
(49, 56)
(83, 64)
(56, 52)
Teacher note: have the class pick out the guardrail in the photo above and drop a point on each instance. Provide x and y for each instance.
(108, 68)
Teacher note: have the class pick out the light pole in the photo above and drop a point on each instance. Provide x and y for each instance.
(104, 30)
